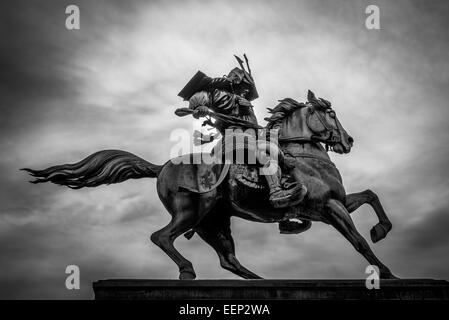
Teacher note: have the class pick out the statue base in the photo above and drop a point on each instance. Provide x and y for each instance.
(404, 289)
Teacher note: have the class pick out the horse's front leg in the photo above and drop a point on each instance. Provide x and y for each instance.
(355, 200)
(339, 217)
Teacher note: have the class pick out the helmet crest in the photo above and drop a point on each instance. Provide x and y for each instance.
(241, 78)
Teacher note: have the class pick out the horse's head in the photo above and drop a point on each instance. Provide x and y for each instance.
(314, 121)
(323, 123)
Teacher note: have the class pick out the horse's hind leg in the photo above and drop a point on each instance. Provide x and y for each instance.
(355, 200)
(165, 237)
(338, 216)
(215, 230)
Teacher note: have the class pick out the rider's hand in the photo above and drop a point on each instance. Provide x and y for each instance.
(200, 111)
(245, 103)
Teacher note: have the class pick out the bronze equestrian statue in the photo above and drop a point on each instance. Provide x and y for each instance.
(202, 197)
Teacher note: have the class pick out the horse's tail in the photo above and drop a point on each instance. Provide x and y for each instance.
(102, 167)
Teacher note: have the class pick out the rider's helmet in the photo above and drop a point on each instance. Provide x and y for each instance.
(238, 81)
(242, 80)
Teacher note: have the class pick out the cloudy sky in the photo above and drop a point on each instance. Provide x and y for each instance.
(114, 84)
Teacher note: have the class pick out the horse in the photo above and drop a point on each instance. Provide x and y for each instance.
(202, 198)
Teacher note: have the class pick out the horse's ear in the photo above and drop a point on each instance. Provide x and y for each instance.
(310, 96)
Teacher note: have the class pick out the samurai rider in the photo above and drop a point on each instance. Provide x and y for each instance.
(231, 95)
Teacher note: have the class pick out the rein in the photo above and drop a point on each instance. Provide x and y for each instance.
(331, 136)
(330, 131)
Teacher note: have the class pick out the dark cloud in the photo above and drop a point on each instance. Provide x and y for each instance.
(34, 54)
(431, 233)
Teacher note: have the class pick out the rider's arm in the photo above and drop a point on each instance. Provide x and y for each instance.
(229, 103)
(218, 100)
(199, 99)
(199, 102)
(223, 101)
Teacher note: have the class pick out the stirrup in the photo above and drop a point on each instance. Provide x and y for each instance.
(293, 227)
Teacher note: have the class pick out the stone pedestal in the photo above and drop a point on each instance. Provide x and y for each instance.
(408, 289)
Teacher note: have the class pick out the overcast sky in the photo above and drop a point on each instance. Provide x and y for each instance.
(114, 84)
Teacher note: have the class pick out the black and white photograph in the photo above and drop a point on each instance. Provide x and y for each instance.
(224, 155)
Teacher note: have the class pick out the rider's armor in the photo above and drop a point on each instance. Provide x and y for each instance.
(231, 95)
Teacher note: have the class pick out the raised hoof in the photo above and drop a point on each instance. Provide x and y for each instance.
(187, 275)
(379, 231)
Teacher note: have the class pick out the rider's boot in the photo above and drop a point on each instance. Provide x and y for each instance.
(282, 198)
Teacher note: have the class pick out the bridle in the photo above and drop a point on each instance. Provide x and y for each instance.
(332, 136)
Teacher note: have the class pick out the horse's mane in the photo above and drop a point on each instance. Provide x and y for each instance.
(285, 108)
(288, 105)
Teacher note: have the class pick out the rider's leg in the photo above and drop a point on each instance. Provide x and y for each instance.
(355, 200)
(279, 197)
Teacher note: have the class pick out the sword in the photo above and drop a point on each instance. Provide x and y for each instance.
(182, 112)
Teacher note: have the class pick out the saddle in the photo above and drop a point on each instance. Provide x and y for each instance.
(248, 177)
(247, 189)
(204, 178)
(245, 183)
